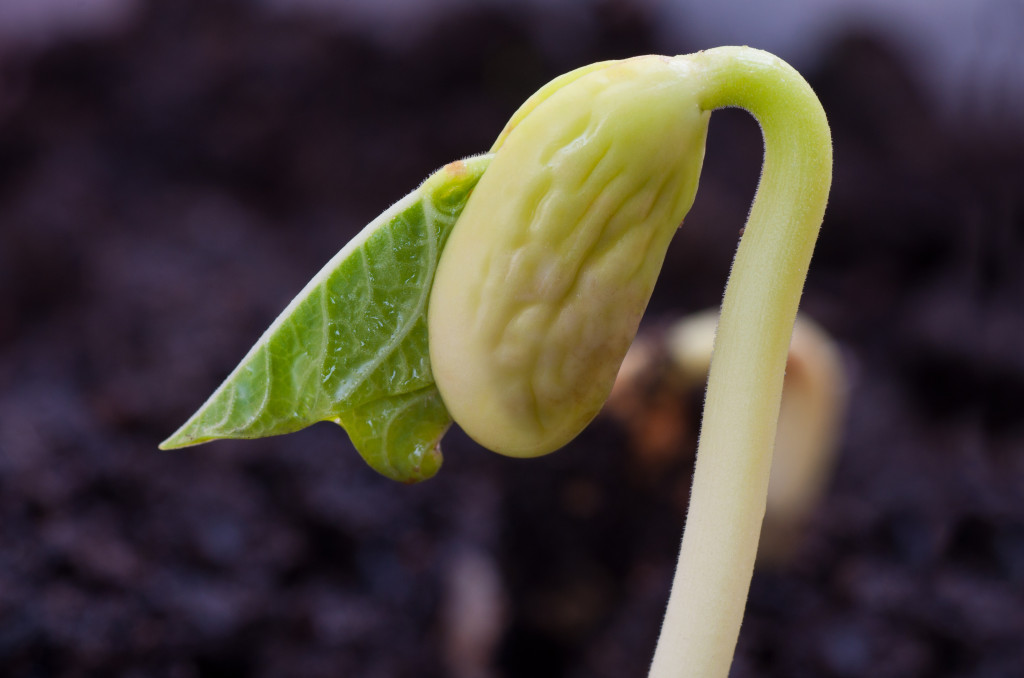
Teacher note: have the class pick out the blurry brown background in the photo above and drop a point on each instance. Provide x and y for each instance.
(172, 172)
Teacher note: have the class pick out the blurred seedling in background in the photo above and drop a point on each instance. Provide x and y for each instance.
(505, 291)
(664, 374)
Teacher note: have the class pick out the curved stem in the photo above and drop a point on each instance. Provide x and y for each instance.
(730, 482)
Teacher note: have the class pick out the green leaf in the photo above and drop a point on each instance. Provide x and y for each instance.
(352, 346)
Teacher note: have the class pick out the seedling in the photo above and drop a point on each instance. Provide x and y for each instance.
(663, 368)
(506, 289)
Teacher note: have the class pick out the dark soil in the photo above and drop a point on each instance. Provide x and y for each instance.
(165, 189)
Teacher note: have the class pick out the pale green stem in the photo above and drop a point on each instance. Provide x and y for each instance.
(730, 482)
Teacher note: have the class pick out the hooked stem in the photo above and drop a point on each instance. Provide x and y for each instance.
(727, 502)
